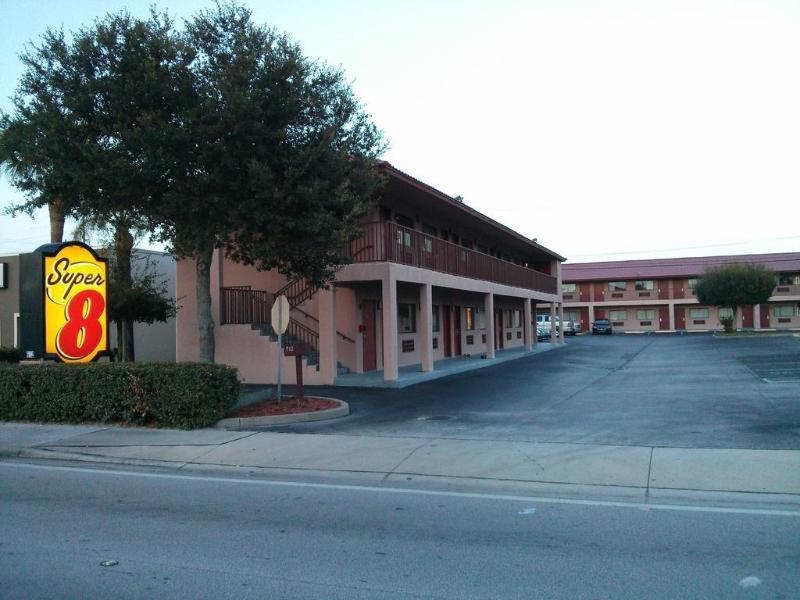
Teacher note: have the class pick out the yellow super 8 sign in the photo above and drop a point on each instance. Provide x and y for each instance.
(75, 317)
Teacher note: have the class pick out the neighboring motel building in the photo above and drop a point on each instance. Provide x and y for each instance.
(658, 295)
(430, 279)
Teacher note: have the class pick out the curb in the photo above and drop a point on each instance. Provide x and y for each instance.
(321, 415)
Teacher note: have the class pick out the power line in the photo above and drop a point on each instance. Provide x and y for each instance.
(721, 245)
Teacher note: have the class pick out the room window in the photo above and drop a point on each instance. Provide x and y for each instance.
(645, 315)
(616, 286)
(570, 315)
(788, 279)
(469, 318)
(427, 244)
(569, 288)
(698, 313)
(617, 315)
(725, 313)
(404, 238)
(644, 285)
(435, 318)
(406, 318)
(783, 311)
(480, 318)
(692, 283)
(516, 316)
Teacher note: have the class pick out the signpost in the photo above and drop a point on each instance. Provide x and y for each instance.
(298, 350)
(280, 321)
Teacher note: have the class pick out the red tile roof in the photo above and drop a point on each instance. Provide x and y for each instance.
(672, 267)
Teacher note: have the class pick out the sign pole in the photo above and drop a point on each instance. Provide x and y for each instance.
(280, 352)
(298, 366)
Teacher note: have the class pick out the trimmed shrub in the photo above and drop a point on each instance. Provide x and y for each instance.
(9, 355)
(183, 395)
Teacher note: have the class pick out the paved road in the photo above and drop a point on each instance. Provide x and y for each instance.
(209, 537)
(693, 391)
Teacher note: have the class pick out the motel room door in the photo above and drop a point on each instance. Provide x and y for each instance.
(448, 349)
(457, 329)
(368, 320)
(498, 329)
(663, 318)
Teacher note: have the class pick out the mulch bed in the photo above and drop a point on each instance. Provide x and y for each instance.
(288, 406)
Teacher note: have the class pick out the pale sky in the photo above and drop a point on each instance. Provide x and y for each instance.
(607, 130)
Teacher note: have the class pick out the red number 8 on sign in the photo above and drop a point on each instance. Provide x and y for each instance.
(82, 332)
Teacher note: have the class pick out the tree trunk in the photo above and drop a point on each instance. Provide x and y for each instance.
(205, 320)
(118, 355)
(123, 247)
(129, 352)
(56, 221)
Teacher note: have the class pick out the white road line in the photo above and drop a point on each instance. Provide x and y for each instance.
(395, 490)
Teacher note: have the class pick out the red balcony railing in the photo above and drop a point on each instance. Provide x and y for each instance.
(388, 242)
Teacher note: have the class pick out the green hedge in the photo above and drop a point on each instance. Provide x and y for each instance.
(183, 395)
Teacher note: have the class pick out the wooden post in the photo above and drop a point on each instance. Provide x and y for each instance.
(298, 364)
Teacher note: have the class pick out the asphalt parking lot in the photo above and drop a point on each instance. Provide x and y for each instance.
(693, 391)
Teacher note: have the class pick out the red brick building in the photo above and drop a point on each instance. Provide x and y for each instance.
(658, 294)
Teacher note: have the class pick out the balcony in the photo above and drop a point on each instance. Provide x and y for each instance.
(388, 242)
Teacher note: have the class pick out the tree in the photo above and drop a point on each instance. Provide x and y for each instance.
(275, 161)
(220, 136)
(136, 293)
(89, 134)
(735, 285)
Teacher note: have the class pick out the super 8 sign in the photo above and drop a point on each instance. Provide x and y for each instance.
(75, 298)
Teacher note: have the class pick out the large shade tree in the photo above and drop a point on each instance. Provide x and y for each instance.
(734, 285)
(274, 164)
(222, 135)
(86, 136)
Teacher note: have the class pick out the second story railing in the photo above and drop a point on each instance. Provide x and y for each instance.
(389, 242)
(242, 305)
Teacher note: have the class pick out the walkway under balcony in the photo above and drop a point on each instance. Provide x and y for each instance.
(413, 374)
(385, 241)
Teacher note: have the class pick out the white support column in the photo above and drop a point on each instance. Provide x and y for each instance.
(390, 340)
(591, 317)
(426, 326)
(671, 308)
(757, 316)
(488, 308)
(561, 321)
(327, 335)
(530, 339)
(553, 336)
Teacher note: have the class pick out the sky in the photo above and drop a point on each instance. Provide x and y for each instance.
(609, 130)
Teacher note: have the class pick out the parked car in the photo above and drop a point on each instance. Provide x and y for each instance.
(602, 326)
(570, 327)
(542, 333)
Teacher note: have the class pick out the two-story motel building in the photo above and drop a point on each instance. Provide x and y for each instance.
(430, 280)
(658, 294)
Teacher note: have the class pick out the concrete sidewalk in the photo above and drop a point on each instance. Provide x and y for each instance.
(635, 473)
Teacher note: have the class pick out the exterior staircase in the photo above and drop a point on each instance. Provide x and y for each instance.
(242, 305)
